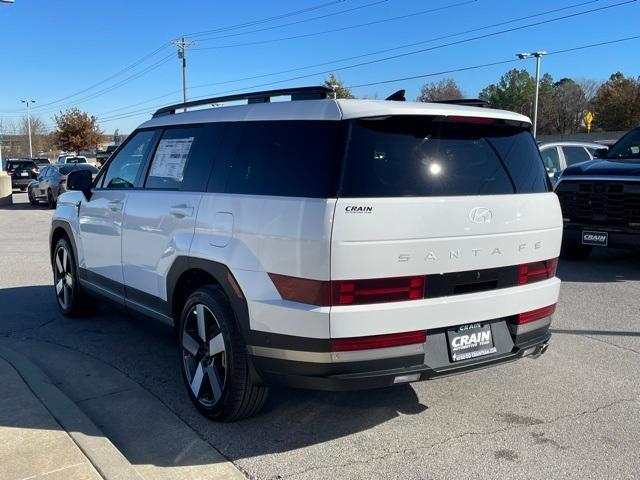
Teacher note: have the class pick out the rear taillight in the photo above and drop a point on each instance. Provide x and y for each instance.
(353, 292)
(36, 170)
(62, 181)
(348, 292)
(378, 341)
(537, 314)
(9, 171)
(537, 271)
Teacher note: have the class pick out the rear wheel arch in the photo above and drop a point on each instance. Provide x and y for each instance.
(186, 275)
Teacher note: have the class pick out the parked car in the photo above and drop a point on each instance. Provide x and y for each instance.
(559, 155)
(601, 200)
(71, 159)
(318, 243)
(22, 172)
(52, 182)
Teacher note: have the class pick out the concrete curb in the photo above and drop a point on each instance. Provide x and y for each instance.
(104, 456)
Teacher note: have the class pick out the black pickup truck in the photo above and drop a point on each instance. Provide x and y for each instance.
(103, 156)
(600, 200)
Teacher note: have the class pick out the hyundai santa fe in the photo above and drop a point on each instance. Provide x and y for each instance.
(319, 243)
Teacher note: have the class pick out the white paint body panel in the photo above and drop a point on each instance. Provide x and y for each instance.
(153, 237)
(290, 236)
(100, 225)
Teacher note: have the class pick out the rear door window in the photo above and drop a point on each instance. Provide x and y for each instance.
(184, 157)
(285, 158)
(575, 155)
(428, 156)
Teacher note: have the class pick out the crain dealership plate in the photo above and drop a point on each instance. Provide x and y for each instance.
(597, 239)
(470, 341)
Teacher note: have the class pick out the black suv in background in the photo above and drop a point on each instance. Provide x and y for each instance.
(600, 200)
(22, 172)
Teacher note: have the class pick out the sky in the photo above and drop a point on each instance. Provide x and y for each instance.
(112, 59)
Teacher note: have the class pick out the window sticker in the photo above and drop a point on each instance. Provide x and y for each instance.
(171, 158)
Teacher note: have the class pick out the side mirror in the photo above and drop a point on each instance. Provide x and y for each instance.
(80, 180)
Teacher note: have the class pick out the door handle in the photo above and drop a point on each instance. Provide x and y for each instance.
(115, 206)
(181, 211)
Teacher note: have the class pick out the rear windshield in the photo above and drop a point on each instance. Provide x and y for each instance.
(429, 156)
(66, 169)
(25, 165)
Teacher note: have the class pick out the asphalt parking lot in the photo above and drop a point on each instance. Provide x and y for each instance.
(573, 413)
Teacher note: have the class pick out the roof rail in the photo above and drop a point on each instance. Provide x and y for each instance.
(299, 93)
(469, 102)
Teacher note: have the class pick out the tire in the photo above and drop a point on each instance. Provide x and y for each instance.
(51, 201)
(574, 251)
(213, 359)
(69, 296)
(32, 200)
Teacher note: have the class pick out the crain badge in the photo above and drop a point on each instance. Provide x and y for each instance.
(358, 209)
(480, 215)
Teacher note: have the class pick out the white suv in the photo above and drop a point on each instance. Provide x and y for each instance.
(317, 243)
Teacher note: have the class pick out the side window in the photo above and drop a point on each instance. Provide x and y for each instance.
(627, 147)
(551, 159)
(184, 157)
(123, 170)
(575, 155)
(287, 158)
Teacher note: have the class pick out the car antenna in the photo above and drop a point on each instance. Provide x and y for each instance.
(397, 96)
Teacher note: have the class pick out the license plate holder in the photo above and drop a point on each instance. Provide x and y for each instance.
(24, 174)
(595, 238)
(470, 341)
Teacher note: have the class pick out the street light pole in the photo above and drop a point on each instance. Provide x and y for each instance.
(29, 102)
(538, 56)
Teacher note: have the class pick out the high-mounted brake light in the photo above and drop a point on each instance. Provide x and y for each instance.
(536, 314)
(464, 119)
(378, 341)
(537, 271)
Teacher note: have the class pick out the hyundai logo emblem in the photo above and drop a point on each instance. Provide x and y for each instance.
(480, 215)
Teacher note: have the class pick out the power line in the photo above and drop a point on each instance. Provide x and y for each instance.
(414, 77)
(297, 22)
(340, 29)
(399, 47)
(265, 20)
(166, 44)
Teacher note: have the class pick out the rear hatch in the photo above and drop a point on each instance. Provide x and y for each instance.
(22, 170)
(429, 196)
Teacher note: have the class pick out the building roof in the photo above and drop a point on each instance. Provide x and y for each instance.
(340, 109)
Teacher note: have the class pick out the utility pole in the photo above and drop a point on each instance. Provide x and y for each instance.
(182, 45)
(29, 102)
(538, 56)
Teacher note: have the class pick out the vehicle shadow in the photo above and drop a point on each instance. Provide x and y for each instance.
(17, 206)
(602, 266)
(141, 395)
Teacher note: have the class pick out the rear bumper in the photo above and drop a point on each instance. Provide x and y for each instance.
(618, 237)
(20, 182)
(419, 362)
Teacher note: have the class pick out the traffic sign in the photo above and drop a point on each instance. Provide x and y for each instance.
(588, 118)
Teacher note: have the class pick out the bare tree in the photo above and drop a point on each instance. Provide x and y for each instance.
(445, 89)
(39, 135)
(589, 87)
